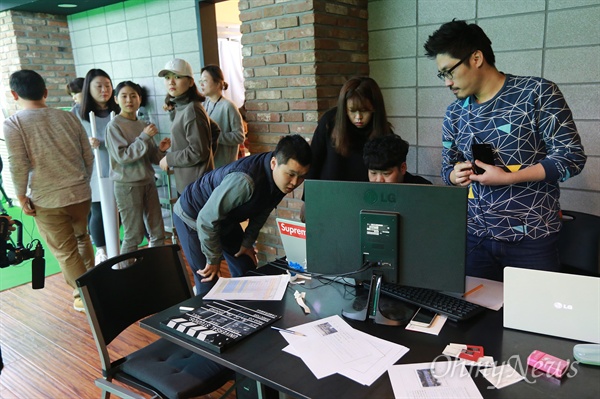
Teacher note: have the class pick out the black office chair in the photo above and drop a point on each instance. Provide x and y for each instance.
(579, 243)
(116, 298)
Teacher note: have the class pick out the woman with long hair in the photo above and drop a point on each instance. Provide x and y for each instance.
(338, 141)
(342, 132)
(97, 96)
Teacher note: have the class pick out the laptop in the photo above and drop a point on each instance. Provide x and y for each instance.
(558, 304)
(293, 238)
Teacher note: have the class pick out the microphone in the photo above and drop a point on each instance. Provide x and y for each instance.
(38, 268)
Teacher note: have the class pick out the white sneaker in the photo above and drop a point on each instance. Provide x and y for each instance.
(100, 256)
(78, 305)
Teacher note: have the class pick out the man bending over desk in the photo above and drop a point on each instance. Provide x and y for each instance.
(209, 211)
(385, 157)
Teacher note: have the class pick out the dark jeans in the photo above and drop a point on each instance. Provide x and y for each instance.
(486, 257)
(230, 242)
(96, 225)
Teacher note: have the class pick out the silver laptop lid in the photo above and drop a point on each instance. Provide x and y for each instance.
(293, 238)
(559, 304)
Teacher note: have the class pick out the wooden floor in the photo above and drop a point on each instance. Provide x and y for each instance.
(47, 347)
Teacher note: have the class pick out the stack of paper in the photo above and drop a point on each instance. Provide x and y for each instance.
(332, 346)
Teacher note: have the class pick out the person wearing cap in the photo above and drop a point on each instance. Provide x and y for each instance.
(191, 152)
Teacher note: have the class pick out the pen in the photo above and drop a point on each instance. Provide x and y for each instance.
(480, 286)
(287, 331)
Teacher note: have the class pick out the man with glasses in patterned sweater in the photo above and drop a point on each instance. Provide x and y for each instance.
(514, 202)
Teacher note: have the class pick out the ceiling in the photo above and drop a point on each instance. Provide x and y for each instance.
(52, 6)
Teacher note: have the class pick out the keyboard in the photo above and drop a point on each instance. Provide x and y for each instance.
(454, 308)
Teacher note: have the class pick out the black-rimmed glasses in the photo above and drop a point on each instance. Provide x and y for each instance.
(443, 75)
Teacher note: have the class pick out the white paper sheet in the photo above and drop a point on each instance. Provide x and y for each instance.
(502, 376)
(332, 346)
(255, 288)
(432, 380)
(491, 295)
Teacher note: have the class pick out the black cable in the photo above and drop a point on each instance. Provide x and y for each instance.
(283, 265)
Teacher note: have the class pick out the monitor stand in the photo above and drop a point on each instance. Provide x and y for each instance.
(372, 309)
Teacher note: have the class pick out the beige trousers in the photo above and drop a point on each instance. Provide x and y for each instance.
(65, 231)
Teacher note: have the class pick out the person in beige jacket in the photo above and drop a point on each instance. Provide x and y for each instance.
(49, 152)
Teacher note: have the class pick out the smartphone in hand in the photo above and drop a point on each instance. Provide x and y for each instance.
(483, 153)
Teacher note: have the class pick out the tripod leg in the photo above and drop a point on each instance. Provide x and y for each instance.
(8, 200)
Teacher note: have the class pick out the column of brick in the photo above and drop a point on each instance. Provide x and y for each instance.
(40, 42)
(296, 56)
(9, 59)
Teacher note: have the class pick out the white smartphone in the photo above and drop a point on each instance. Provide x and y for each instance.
(423, 317)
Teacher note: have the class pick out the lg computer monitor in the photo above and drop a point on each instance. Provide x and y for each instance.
(422, 228)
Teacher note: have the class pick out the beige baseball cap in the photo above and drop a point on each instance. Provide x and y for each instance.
(177, 66)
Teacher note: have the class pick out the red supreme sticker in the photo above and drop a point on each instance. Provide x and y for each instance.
(292, 230)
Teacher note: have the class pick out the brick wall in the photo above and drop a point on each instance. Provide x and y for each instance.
(297, 55)
(39, 42)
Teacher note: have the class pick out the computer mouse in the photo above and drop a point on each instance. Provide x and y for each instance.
(587, 354)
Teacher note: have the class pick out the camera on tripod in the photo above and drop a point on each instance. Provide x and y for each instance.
(13, 254)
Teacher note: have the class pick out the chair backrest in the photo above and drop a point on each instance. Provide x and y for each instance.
(116, 298)
(579, 243)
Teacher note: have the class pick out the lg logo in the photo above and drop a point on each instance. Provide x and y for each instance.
(559, 305)
(372, 197)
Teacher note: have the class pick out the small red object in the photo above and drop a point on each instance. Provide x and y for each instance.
(471, 353)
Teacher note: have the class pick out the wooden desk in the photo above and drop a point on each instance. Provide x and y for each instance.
(261, 358)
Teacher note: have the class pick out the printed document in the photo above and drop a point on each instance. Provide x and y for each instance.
(255, 288)
(433, 380)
